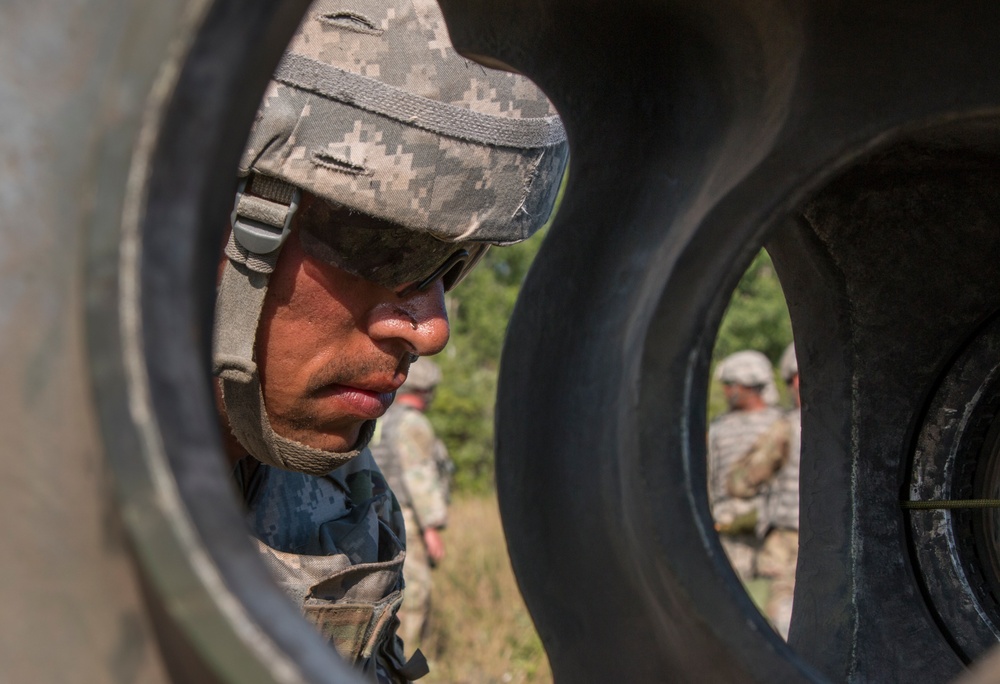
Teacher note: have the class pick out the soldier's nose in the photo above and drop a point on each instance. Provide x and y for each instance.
(419, 319)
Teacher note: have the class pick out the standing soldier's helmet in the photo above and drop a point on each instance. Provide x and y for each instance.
(373, 111)
(748, 368)
(424, 376)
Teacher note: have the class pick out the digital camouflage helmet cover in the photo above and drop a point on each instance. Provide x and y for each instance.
(372, 110)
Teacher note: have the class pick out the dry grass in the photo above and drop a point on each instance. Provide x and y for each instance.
(480, 632)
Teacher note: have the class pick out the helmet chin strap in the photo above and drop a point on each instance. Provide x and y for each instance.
(261, 224)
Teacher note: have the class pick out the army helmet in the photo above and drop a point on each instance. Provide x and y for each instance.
(749, 368)
(372, 111)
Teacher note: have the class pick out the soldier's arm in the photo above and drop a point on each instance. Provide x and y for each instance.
(765, 458)
(434, 544)
(420, 472)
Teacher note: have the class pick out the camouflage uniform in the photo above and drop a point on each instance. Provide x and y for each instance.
(772, 469)
(335, 545)
(411, 456)
(731, 437)
(781, 546)
(780, 527)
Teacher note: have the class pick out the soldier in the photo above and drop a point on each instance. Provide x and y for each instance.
(781, 512)
(771, 468)
(380, 167)
(417, 467)
(745, 376)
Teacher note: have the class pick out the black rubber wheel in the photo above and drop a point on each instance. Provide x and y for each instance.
(859, 144)
(128, 557)
(857, 140)
(217, 614)
(956, 460)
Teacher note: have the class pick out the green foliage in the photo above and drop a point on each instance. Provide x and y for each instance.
(462, 412)
(479, 629)
(756, 318)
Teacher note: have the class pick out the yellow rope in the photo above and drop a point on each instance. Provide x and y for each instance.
(940, 504)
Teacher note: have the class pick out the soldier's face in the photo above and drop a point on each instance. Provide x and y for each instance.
(332, 348)
(737, 396)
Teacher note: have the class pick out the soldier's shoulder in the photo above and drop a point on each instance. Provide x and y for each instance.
(775, 411)
(412, 419)
(393, 413)
(770, 415)
(738, 420)
(726, 418)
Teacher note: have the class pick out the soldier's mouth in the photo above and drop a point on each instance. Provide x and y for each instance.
(355, 401)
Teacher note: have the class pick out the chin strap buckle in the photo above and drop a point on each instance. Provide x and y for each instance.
(262, 214)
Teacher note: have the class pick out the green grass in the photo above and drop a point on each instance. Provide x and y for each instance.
(480, 631)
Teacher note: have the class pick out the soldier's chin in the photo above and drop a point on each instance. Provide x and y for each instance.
(339, 444)
(339, 441)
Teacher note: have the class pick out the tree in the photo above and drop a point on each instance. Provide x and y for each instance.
(756, 318)
(479, 309)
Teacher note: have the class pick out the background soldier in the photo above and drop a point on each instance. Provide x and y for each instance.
(744, 376)
(772, 468)
(416, 465)
(379, 169)
(781, 512)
